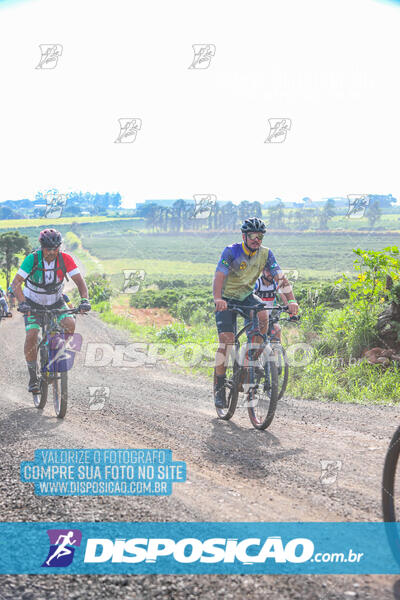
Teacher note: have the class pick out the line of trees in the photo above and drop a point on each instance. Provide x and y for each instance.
(180, 216)
(303, 217)
(312, 217)
(77, 203)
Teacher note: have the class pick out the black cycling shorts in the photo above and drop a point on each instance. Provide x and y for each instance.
(226, 319)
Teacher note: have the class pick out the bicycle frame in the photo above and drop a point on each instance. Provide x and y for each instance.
(254, 349)
(53, 365)
(256, 376)
(252, 330)
(50, 327)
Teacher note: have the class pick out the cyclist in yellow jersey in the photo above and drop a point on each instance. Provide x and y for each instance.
(237, 271)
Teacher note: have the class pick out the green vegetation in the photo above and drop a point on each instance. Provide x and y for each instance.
(338, 324)
(12, 244)
(192, 304)
(99, 288)
(44, 222)
(340, 298)
(72, 241)
(340, 336)
(315, 256)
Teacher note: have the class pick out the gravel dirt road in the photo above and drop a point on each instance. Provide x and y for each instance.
(234, 473)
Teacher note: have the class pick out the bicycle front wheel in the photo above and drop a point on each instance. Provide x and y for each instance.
(282, 364)
(40, 399)
(391, 494)
(60, 394)
(262, 397)
(231, 392)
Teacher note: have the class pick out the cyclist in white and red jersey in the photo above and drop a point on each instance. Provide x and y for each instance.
(43, 272)
(266, 289)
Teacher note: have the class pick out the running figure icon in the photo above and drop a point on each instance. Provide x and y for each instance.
(62, 549)
(63, 543)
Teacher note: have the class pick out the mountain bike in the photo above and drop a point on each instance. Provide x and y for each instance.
(391, 493)
(55, 360)
(253, 372)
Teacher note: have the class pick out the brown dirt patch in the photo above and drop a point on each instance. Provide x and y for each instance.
(143, 316)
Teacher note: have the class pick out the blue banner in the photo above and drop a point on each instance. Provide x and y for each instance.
(168, 548)
(103, 472)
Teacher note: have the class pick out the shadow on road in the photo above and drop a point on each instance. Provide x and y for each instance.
(27, 423)
(251, 452)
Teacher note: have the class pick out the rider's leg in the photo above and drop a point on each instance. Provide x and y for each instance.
(226, 345)
(263, 321)
(68, 325)
(226, 342)
(30, 350)
(277, 332)
(225, 321)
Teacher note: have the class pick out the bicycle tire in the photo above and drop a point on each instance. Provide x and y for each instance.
(389, 477)
(269, 366)
(60, 394)
(39, 400)
(231, 393)
(283, 369)
(388, 495)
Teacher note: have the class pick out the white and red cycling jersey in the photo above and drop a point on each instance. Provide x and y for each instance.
(267, 292)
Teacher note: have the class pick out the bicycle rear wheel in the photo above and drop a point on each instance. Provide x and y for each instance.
(262, 398)
(60, 394)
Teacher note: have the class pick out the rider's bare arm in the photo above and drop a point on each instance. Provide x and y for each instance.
(219, 279)
(81, 285)
(286, 289)
(16, 286)
(283, 297)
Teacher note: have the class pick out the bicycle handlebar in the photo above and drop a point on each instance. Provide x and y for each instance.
(259, 307)
(69, 311)
(240, 309)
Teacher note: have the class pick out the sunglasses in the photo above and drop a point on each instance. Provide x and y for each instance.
(255, 236)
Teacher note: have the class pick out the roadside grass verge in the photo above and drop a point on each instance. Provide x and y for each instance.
(191, 350)
(359, 383)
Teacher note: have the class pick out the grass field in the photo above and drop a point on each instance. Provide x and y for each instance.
(316, 256)
(388, 221)
(43, 222)
(112, 245)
